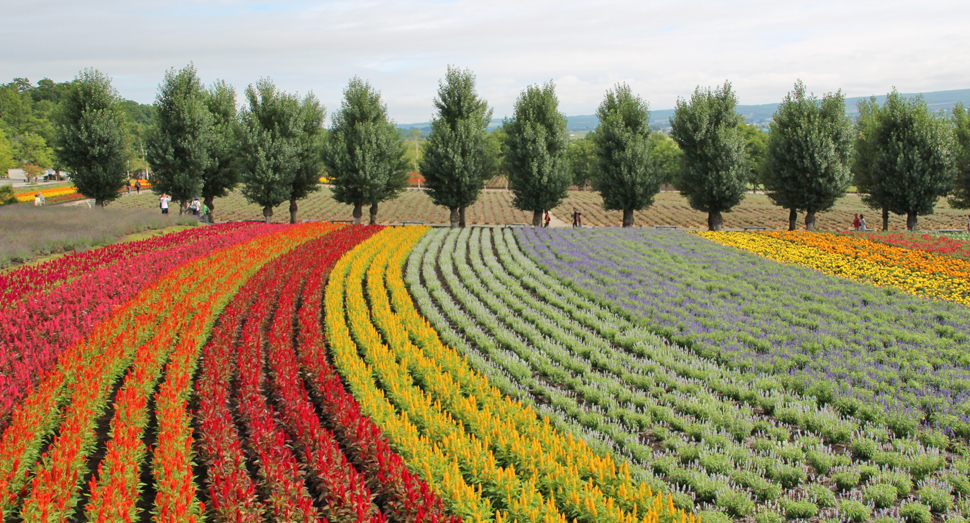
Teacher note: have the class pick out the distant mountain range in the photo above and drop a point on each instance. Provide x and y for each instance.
(937, 100)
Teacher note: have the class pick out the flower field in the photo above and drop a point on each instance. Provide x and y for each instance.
(247, 372)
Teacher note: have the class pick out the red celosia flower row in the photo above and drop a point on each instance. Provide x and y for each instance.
(925, 242)
(140, 335)
(48, 322)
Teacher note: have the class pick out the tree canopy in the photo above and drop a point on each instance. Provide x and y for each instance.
(364, 154)
(93, 137)
(715, 171)
(222, 174)
(457, 157)
(627, 177)
(535, 151)
(960, 197)
(581, 155)
(911, 154)
(809, 154)
(179, 144)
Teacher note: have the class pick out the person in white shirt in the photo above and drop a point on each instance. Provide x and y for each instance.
(862, 223)
(163, 203)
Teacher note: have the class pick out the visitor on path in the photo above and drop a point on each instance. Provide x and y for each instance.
(855, 223)
(575, 217)
(862, 223)
(204, 218)
(547, 220)
(968, 223)
(37, 200)
(163, 203)
(194, 206)
(579, 220)
(128, 186)
(137, 186)
(43, 200)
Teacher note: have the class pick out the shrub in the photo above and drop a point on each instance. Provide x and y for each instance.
(936, 497)
(769, 516)
(898, 479)
(789, 476)
(881, 495)
(855, 511)
(714, 516)
(799, 509)
(735, 503)
(916, 513)
(6, 195)
(821, 495)
(863, 449)
(847, 479)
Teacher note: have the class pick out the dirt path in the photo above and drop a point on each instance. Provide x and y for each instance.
(556, 222)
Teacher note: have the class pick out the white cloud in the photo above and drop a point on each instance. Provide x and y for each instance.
(662, 49)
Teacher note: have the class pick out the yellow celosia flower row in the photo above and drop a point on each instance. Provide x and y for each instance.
(913, 271)
(48, 193)
(489, 456)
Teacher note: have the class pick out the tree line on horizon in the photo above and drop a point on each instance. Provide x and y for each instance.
(900, 156)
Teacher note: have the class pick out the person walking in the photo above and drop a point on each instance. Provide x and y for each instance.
(579, 220)
(163, 203)
(547, 220)
(862, 223)
(137, 186)
(204, 217)
(128, 186)
(855, 223)
(575, 216)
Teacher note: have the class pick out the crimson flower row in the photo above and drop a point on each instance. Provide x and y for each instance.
(48, 324)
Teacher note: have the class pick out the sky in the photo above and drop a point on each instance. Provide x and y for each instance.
(662, 49)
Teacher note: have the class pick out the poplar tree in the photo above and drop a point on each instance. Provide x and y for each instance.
(960, 198)
(269, 157)
(628, 178)
(179, 144)
(93, 137)
(222, 174)
(535, 151)
(364, 155)
(457, 158)
(715, 170)
(912, 157)
(809, 154)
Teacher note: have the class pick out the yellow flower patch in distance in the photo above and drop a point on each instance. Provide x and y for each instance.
(486, 448)
(917, 272)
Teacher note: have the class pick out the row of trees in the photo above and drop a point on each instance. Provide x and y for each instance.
(900, 156)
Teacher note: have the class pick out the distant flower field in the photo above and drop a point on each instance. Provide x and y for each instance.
(327, 372)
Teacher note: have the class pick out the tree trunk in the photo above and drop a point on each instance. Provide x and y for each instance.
(268, 213)
(358, 212)
(211, 205)
(454, 217)
(885, 218)
(714, 221)
(293, 209)
(461, 217)
(99, 203)
(183, 206)
(911, 221)
(628, 217)
(373, 214)
(809, 220)
(793, 219)
(537, 218)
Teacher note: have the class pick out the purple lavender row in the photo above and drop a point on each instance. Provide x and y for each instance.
(874, 353)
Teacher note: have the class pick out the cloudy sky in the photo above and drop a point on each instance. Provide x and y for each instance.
(663, 49)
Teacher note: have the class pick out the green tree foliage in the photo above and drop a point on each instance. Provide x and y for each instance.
(280, 147)
(912, 155)
(180, 142)
(535, 151)
(756, 149)
(716, 172)
(32, 149)
(627, 179)
(960, 197)
(667, 156)
(93, 137)
(496, 151)
(222, 174)
(364, 153)
(863, 158)
(809, 154)
(456, 159)
(308, 136)
(7, 161)
(581, 155)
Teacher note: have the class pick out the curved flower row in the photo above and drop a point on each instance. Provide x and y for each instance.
(476, 437)
(48, 193)
(914, 271)
(142, 331)
(925, 242)
(49, 322)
